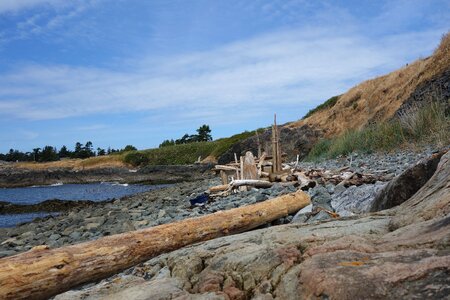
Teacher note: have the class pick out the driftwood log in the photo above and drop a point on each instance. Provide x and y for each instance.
(251, 182)
(41, 273)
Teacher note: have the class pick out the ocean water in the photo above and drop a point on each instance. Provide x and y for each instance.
(36, 194)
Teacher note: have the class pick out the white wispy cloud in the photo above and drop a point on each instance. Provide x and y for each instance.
(48, 17)
(7, 6)
(289, 67)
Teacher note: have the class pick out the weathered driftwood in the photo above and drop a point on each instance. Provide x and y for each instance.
(264, 174)
(218, 188)
(251, 182)
(225, 168)
(277, 177)
(261, 163)
(249, 167)
(225, 189)
(276, 149)
(224, 177)
(305, 182)
(39, 274)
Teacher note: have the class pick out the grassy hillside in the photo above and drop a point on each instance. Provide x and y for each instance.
(419, 126)
(184, 153)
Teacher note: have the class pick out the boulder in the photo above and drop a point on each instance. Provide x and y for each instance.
(406, 184)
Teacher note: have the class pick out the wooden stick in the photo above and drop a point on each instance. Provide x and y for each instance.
(224, 177)
(251, 182)
(241, 169)
(260, 164)
(259, 143)
(43, 273)
(218, 188)
(225, 168)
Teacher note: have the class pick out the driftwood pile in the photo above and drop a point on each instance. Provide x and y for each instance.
(259, 173)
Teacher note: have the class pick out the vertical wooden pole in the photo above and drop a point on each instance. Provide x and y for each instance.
(274, 145)
(224, 177)
(242, 188)
(259, 144)
(242, 167)
(276, 149)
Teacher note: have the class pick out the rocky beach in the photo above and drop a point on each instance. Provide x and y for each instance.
(232, 267)
(86, 220)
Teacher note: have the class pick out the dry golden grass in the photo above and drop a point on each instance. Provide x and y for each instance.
(378, 99)
(76, 164)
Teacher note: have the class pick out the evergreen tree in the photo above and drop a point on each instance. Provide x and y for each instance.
(63, 152)
(49, 154)
(204, 133)
(78, 149)
(36, 154)
(129, 148)
(100, 151)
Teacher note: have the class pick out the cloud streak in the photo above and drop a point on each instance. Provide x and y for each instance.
(8, 6)
(290, 67)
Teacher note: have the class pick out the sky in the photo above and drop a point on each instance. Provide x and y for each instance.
(119, 72)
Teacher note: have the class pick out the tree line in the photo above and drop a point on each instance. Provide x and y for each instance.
(50, 153)
(203, 135)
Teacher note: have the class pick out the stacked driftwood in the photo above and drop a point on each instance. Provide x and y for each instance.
(260, 173)
(263, 171)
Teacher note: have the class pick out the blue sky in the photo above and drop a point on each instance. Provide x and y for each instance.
(137, 72)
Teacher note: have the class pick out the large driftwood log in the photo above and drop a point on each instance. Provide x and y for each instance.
(42, 273)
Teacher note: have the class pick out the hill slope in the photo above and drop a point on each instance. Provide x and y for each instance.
(379, 99)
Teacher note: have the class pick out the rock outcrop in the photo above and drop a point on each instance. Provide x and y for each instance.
(15, 177)
(407, 184)
(402, 253)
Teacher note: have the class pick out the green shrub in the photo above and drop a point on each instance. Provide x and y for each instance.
(327, 104)
(427, 125)
(136, 158)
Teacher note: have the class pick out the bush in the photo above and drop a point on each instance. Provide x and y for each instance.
(136, 158)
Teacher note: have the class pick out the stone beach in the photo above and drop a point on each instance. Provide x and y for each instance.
(94, 220)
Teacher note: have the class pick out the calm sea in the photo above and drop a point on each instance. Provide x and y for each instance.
(93, 191)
